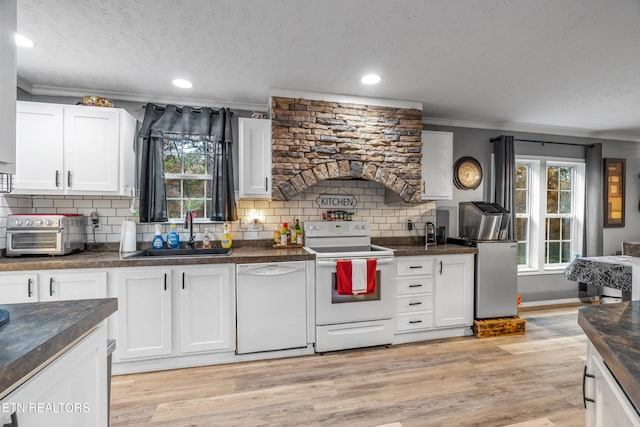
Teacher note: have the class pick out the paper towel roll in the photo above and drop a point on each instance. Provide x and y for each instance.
(128, 237)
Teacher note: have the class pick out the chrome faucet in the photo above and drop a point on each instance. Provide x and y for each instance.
(188, 223)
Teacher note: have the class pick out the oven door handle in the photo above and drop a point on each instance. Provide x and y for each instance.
(333, 263)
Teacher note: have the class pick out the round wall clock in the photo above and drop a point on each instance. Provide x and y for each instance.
(467, 173)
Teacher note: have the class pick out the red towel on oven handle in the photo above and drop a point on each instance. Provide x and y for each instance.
(344, 272)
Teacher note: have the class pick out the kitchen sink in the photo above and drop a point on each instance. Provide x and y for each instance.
(170, 253)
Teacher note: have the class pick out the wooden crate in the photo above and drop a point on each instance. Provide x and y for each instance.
(498, 327)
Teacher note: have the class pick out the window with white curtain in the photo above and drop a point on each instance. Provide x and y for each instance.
(549, 212)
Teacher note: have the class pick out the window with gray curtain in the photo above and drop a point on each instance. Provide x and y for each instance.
(176, 141)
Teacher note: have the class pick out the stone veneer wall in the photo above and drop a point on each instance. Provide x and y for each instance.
(313, 141)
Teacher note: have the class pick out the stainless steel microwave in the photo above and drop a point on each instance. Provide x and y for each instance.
(45, 234)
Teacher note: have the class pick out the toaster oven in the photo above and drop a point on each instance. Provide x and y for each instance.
(45, 234)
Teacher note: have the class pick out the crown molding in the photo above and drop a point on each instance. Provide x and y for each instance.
(138, 97)
(25, 85)
(347, 99)
(531, 128)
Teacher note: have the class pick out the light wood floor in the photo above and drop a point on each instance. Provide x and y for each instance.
(532, 380)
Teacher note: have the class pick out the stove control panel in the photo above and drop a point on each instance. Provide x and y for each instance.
(336, 228)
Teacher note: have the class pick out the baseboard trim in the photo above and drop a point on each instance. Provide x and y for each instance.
(550, 302)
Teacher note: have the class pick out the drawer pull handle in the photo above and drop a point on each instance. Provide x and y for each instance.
(415, 321)
(183, 280)
(51, 286)
(415, 303)
(416, 266)
(29, 290)
(165, 281)
(417, 285)
(585, 399)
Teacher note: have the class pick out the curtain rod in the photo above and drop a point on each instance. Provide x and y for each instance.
(544, 142)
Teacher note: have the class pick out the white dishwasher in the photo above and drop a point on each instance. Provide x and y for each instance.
(271, 306)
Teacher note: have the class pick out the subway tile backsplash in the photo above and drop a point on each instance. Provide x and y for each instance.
(388, 219)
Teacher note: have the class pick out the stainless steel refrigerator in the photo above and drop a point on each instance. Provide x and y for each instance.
(496, 279)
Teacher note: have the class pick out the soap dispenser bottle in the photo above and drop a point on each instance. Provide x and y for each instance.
(206, 239)
(226, 237)
(158, 241)
(173, 238)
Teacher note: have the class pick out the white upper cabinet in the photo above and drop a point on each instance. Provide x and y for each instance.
(437, 165)
(8, 83)
(68, 149)
(254, 150)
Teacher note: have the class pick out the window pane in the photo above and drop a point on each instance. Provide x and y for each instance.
(566, 229)
(194, 159)
(193, 188)
(521, 201)
(565, 202)
(566, 175)
(521, 229)
(197, 206)
(522, 172)
(173, 209)
(522, 253)
(552, 202)
(552, 252)
(553, 229)
(173, 188)
(552, 178)
(566, 251)
(172, 157)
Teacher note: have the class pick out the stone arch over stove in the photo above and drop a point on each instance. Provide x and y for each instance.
(314, 140)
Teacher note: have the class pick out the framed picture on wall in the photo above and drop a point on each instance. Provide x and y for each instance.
(613, 178)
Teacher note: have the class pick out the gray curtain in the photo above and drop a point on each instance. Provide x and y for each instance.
(505, 167)
(175, 123)
(223, 203)
(593, 214)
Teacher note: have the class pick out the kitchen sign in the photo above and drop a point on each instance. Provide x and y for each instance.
(328, 201)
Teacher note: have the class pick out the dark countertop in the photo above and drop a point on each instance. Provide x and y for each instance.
(613, 330)
(38, 331)
(446, 249)
(239, 255)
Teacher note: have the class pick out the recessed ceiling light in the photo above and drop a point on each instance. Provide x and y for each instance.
(186, 84)
(23, 41)
(370, 79)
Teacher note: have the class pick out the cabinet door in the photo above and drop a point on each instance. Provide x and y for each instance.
(18, 288)
(8, 84)
(64, 285)
(610, 407)
(90, 149)
(453, 294)
(206, 317)
(144, 313)
(39, 147)
(69, 392)
(255, 158)
(437, 164)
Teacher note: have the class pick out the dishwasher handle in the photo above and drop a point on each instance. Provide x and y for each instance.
(380, 261)
(269, 271)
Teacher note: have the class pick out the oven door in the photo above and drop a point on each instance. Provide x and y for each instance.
(34, 242)
(332, 308)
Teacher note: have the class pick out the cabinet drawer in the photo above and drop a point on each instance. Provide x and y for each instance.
(414, 266)
(420, 320)
(417, 285)
(413, 303)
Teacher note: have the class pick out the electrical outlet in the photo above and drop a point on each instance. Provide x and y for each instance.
(94, 223)
(409, 225)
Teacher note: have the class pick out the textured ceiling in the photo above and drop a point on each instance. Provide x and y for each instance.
(572, 64)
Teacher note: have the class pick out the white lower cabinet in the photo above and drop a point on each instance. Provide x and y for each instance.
(175, 310)
(206, 301)
(453, 302)
(52, 285)
(71, 391)
(144, 313)
(434, 297)
(64, 285)
(18, 288)
(606, 402)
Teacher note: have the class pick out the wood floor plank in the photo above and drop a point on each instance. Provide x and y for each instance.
(531, 380)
